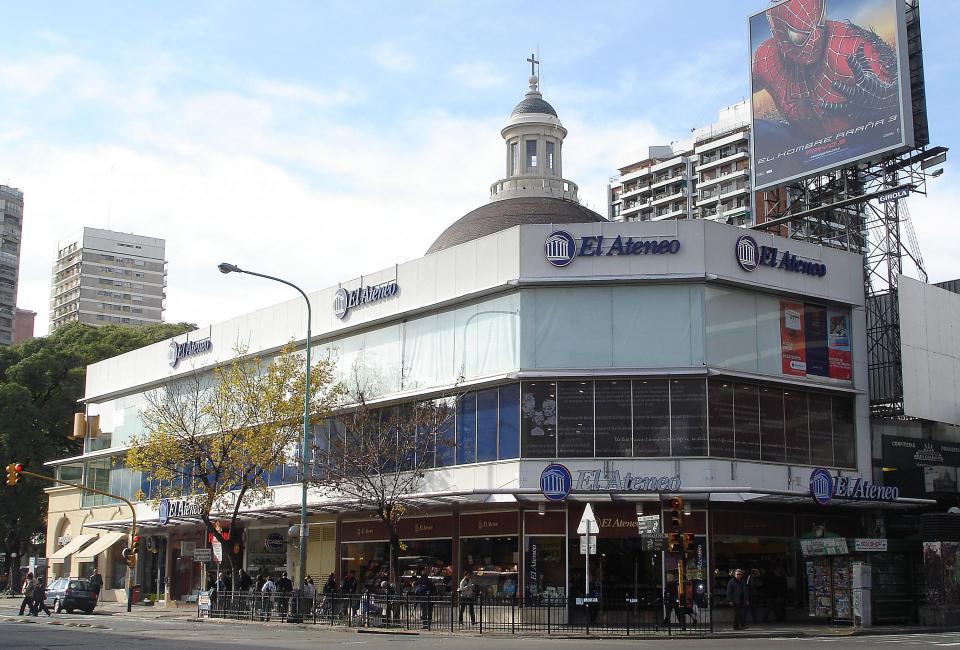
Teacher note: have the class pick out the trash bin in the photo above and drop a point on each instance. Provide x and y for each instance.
(135, 594)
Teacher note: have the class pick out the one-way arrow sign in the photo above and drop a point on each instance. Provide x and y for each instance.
(588, 516)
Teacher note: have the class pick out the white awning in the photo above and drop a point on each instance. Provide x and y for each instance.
(72, 546)
(105, 541)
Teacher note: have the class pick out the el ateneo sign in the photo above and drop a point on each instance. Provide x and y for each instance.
(824, 487)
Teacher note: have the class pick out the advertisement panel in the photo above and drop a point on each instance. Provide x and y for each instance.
(793, 342)
(829, 86)
(814, 341)
(838, 345)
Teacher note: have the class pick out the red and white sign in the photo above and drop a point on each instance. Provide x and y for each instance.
(868, 544)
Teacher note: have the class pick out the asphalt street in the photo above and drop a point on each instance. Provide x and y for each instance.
(78, 631)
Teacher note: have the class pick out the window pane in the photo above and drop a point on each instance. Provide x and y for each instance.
(538, 410)
(514, 158)
(487, 425)
(688, 430)
(612, 399)
(844, 440)
(575, 419)
(509, 421)
(467, 429)
(821, 434)
(747, 421)
(550, 156)
(651, 417)
(531, 155)
(797, 434)
(446, 447)
(721, 419)
(771, 425)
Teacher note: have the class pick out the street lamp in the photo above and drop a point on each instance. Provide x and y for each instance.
(233, 268)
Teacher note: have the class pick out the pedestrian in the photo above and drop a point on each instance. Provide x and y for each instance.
(27, 590)
(328, 602)
(261, 580)
(40, 598)
(671, 601)
(245, 581)
(268, 591)
(349, 590)
(739, 598)
(96, 584)
(284, 587)
(424, 592)
(466, 593)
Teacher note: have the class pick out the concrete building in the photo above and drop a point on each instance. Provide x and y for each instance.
(11, 229)
(102, 277)
(23, 325)
(707, 177)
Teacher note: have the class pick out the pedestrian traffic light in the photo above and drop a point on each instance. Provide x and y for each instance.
(687, 541)
(676, 512)
(673, 542)
(13, 473)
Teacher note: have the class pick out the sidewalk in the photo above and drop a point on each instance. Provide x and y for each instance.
(11, 607)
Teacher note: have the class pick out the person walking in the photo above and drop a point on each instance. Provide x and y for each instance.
(349, 590)
(739, 599)
(284, 587)
(27, 590)
(268, 591)
(467, 593)
(327, 603)
(96, 584)
(245, 581)
(424, 592)
(40, 598)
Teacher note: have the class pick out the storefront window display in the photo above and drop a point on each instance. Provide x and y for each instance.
(371, 561)
(118, 567)
(545, 567)
(495, 563)
(266, 550)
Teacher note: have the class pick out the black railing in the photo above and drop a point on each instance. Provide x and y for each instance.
(481, 615)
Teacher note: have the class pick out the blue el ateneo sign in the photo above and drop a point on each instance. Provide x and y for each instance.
(163, 512)
(824, 487)
(560, 248)
(555, 482)
(344, 301)
(751, 256)
(177, 351)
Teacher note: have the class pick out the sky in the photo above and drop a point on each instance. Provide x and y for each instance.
(319, 141)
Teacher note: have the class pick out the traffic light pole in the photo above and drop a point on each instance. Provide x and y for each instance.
(133, 517)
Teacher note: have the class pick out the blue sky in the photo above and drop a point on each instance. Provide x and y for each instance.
(323, 140)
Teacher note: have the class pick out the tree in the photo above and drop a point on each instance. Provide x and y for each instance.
(214, 437)
(376, 459)
(41, 381)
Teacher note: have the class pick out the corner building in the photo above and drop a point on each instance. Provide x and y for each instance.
(643, 357)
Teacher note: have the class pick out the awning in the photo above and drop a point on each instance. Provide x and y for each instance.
(105, 541)
(72, 546)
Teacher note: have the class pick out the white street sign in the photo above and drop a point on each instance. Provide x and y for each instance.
(217, 550)
(588, 517)
(202, 555)
(593, 545)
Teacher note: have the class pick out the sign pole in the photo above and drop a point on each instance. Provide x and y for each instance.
(586, 577)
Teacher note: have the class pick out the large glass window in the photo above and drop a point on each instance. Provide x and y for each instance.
(494, 561)
(538, 423)
(446, 441)
(651, 417)
(467, 429)
(545, 567)
(688, 417)
(487, 425)
(796, 426)
(613, 424)
(550, 163)
(575, 419)
(771, 425)
(746, 408)
(844, 438)
(509, 421)
(514, 158)
(821, 434)
(721, 419)
(531, 155)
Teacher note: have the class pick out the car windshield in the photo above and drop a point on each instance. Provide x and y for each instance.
(82, 585)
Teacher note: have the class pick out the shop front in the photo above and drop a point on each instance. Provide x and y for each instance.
(489, 547)
(267, 551)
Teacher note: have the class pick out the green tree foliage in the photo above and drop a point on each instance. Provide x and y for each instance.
(40, 383)
(214, 437)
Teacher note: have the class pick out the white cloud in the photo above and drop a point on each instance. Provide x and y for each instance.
(479, 76)
(301, 94)
(935, 220)
(393, 57)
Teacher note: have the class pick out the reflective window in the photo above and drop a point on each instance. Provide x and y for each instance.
(721, 419)
(651, 418)
(575, 419)
(487, 425)
(538, 411)
(746, 409)
(467, 429)
(771, 425)
(796, 427)
(509, 429)
(613, 425)
(688, 417)
(844, 438)
(821, 429)
(531, 155)
(550, 163)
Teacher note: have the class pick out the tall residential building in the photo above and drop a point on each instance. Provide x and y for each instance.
(23, 325)
(707, 177)
(11, 227)
(104, 277)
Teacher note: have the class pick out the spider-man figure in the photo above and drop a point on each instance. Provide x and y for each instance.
(824, 76)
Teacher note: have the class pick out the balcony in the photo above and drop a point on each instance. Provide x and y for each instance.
(731, 175)
(672, 212)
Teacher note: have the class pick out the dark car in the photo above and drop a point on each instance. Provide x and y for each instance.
(71, 594)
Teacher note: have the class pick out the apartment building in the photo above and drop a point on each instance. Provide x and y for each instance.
(102, 277)
(11, 228)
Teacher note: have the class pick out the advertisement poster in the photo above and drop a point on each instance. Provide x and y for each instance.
(838, 345)
(793, 343)
(815, 331)
(829, 82)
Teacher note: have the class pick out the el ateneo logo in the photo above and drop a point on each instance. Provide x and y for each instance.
(751, 256)
(555, 482)
(177, 351)
(824, 487)
(344, 301)
(560, 248)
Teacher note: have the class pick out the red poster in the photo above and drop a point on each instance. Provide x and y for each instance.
(838, 344)
(793, 356)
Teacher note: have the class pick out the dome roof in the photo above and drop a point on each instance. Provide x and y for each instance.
(500, 215)
(533, 103)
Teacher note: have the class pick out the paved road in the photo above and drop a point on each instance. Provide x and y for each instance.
(166, 633)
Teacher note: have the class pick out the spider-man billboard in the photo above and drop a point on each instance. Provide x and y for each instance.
(829, 86)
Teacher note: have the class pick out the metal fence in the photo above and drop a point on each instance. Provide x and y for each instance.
(481, 615)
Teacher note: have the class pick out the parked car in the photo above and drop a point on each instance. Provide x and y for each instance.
(71, 594)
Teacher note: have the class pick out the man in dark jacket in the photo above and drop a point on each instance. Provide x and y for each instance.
(424, 590)
(245, 581)
(739, 599)
(284, 587)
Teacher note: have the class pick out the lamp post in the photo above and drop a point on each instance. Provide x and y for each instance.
(232, 268)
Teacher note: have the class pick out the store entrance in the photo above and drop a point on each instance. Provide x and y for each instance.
(770, 565)
(622, 575)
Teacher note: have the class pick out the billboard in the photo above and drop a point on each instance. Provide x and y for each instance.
(814, 341)
(829, 86)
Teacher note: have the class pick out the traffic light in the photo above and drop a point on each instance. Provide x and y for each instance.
(130, 554)
(135, 545)
(13, 473)
(687, 541)
(673, 542)
(676, 512)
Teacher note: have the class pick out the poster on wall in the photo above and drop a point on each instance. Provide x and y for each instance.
(829, 83)
(538, 419)
(815, 335)
(793, 343)
(838, 345)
